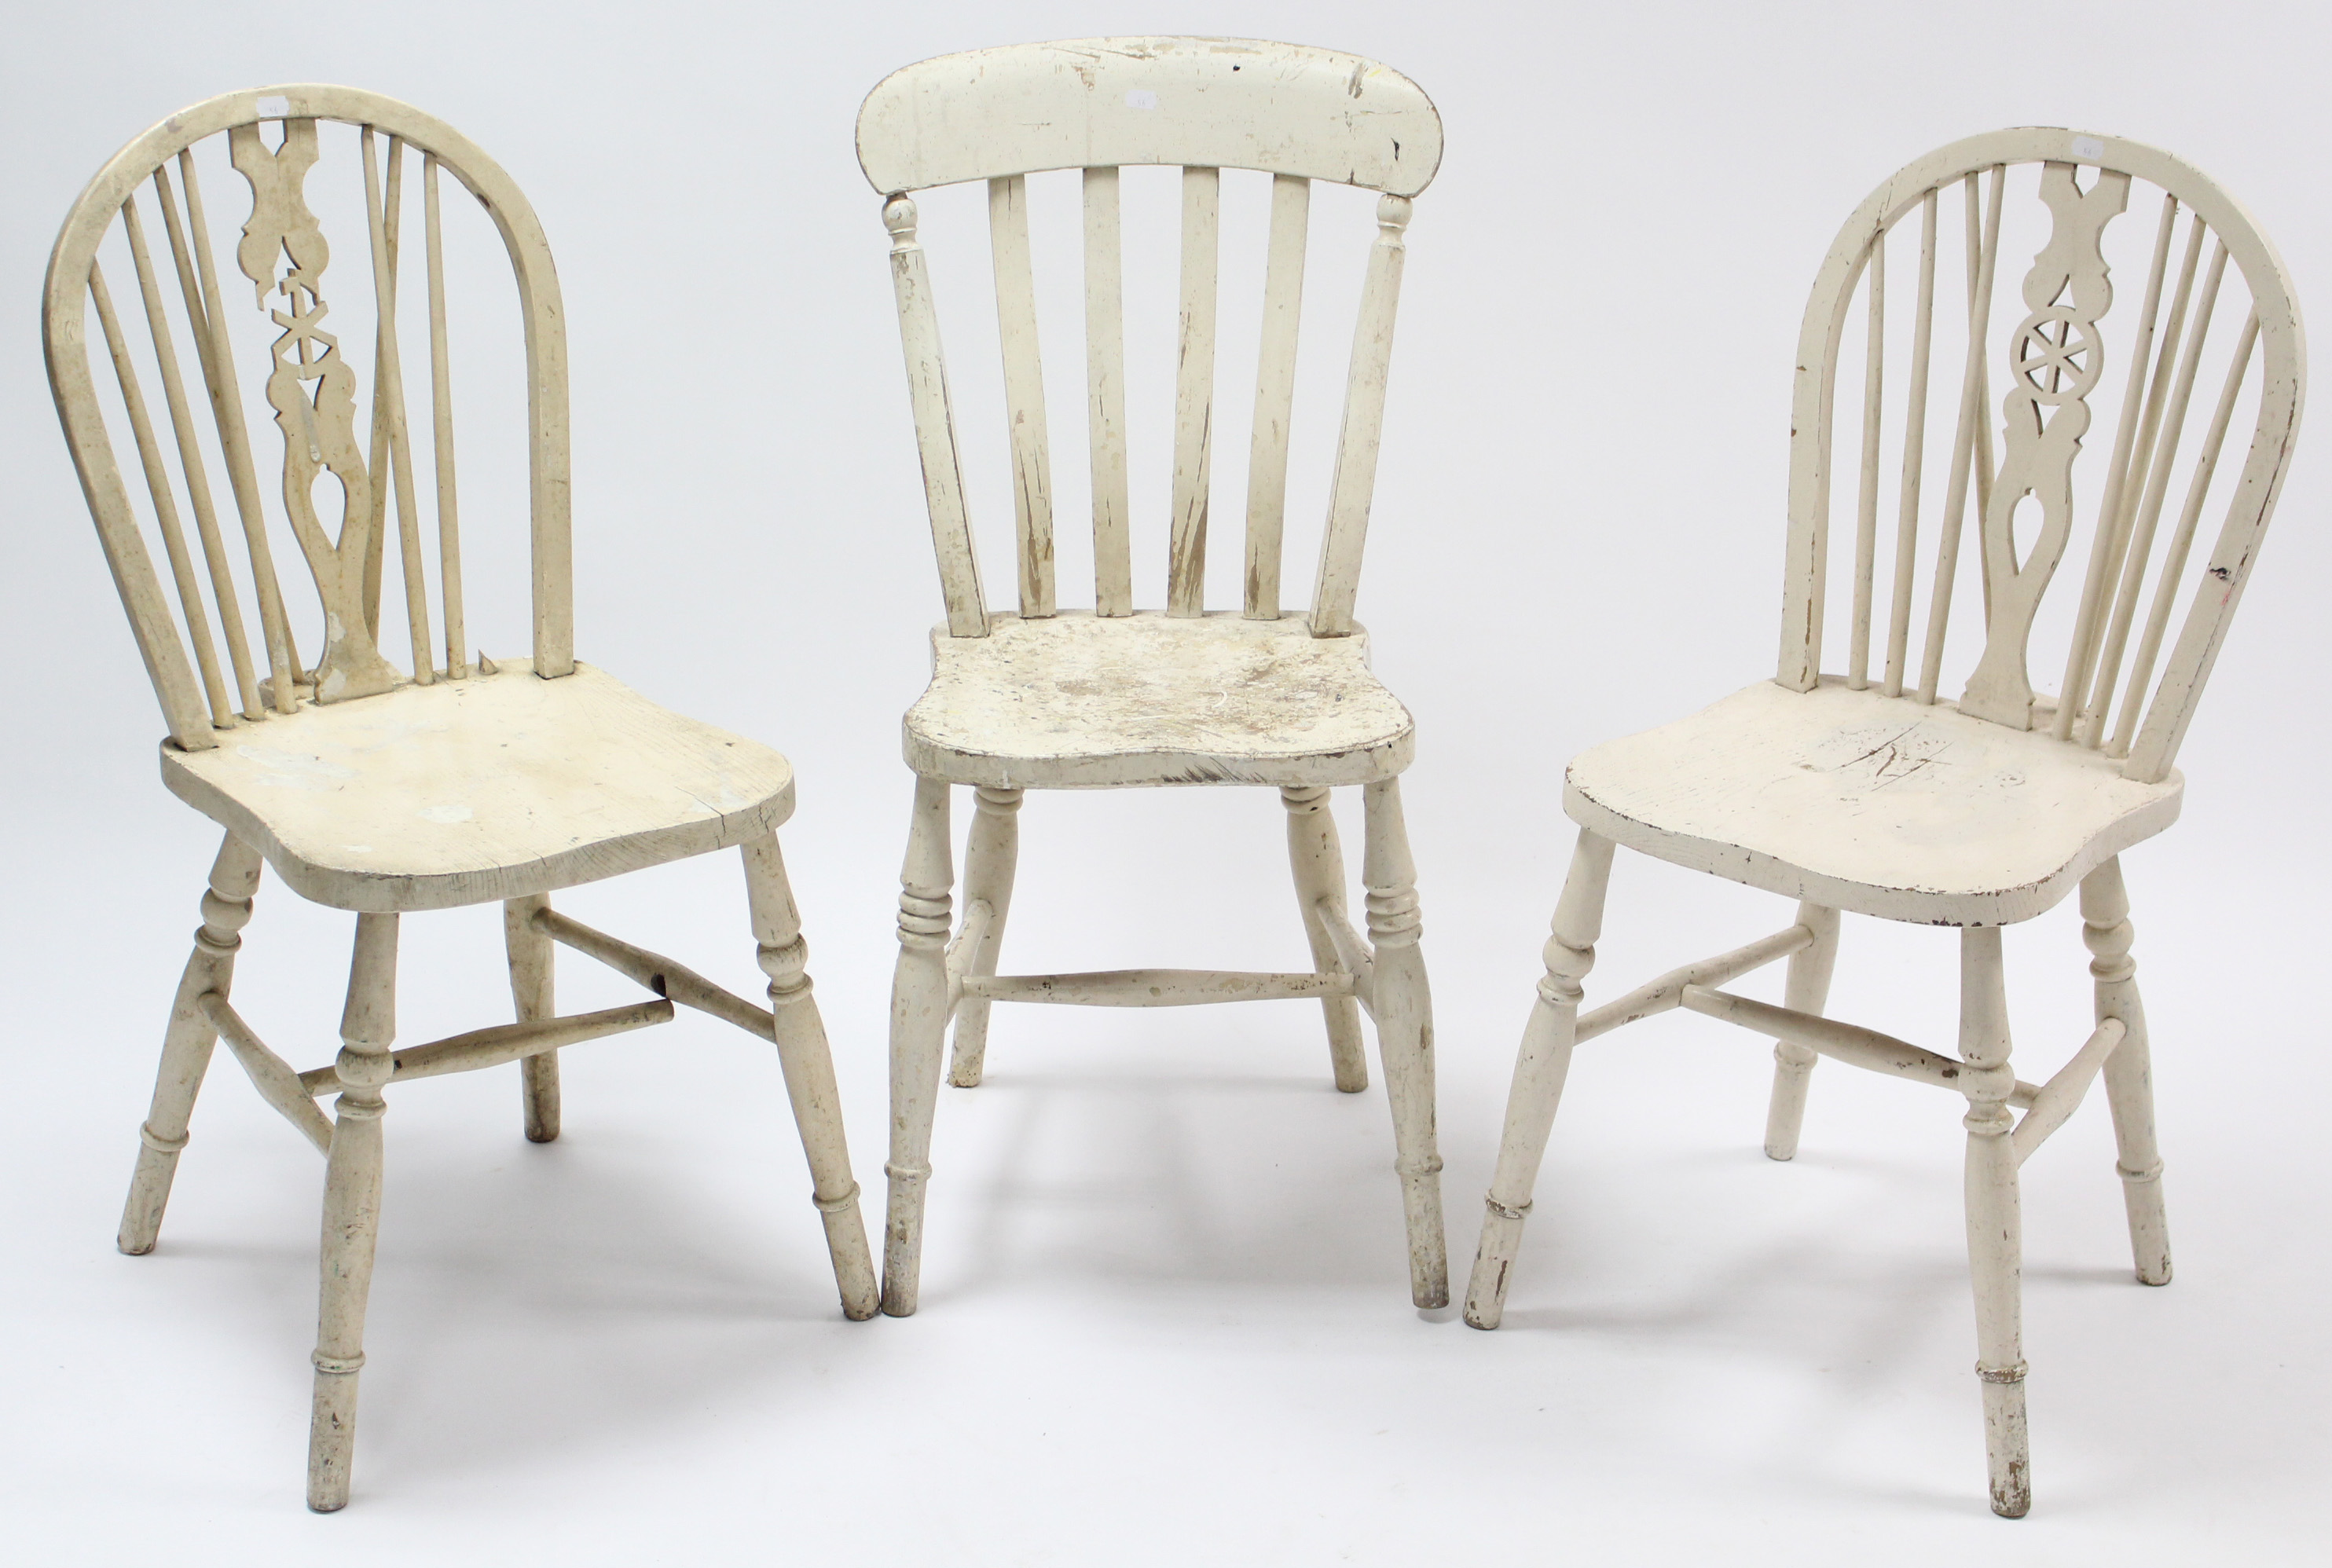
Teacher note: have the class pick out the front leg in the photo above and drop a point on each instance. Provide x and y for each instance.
(1995, 1225)
(1539, 1071)
(352, 1208)
(1404, 1015)
(920, 1008)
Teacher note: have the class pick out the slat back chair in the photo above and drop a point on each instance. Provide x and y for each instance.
(368, 789)
(1122, 697)
(1872, 791)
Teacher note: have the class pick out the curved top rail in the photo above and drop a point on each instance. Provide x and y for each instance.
(2284, 351)
(1101, 103)
(65, 345)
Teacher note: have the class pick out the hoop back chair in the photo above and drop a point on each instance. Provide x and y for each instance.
(366, 787)
(1870, 792)
(1116, 697)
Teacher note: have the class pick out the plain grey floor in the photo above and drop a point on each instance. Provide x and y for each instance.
(1164, 1312)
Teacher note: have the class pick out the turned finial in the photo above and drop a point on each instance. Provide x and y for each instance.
(899, 217)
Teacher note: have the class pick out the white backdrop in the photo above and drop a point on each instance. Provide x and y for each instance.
(1164, 1317)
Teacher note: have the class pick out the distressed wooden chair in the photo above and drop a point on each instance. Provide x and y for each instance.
(1116, 698)
(365, 790)
(1867, 792)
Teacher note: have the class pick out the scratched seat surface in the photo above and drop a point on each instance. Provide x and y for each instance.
(1076, 700)
(469, 792)
(1870, 803)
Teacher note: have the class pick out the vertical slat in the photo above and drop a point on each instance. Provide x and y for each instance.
(235, 440)
(2140, 548)
(919, 337)
(1356, 442)
(1984, 469)
(2080, 656)
(190, 455)
(441, 435)
(1866, 502)
(1024, 391)
(1194, 393)
(2174, 560)
(1275, 393)
(1972, 413)
(1915, 454)
(1105, 395)
(166, 507)
(388, 388)
(378, 461)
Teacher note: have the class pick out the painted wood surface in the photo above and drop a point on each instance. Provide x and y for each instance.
(1088, 102)
(1869, 792)
(1080, 701)
(366, 788)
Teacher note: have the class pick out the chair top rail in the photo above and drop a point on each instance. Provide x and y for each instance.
(1106, 102)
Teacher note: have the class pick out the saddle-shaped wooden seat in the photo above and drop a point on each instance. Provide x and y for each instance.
(1083, 701)
(1874, 804)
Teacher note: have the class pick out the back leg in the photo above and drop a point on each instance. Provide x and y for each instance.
(1806, 990)
(1318, 861)
(988, 863)
(2129, 1071)
(532, 968)
(186, 1044)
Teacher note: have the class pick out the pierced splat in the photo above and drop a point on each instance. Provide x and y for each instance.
(319, 426)
(2054, 359)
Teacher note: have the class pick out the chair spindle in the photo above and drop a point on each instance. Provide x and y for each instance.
(235, 440)
(2173, 564)
(166, 508)
(441, 435)
(1194, 391)
(1866, 502)
(935, 423)
(1105, 393)
(2140, 548)
(388, 391)
(1973, 395)
(1275, 394)
(1356, 442)
(1024, 391)
(190, 456)
(1915, 454)
(2080, 658)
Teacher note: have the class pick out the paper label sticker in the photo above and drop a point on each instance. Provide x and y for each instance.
(2088, 147)
(1140, 97)
(277, 107)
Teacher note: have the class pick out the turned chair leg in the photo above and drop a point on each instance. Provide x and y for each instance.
(919, 1007)
(2129, 1071)
(1404, 1015)
(531, 968)
(1318, 862)
(809, 1069)
(1994, 1220)
(1806, 990)
(988, 862)
(1539, 1071)
(186, 1044)
(351, 1207)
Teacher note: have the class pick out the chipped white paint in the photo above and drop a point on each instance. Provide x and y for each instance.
(1105, 103)
(1077, 701)
(1115, 698)
(1978, 815)
(365, 791)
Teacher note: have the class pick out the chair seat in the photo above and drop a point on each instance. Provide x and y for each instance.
(470, 791)
(1082, 702)
(1865, 802)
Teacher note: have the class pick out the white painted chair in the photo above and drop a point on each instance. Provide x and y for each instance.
(1116, 698)
(1867, 793)
(367, 791)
